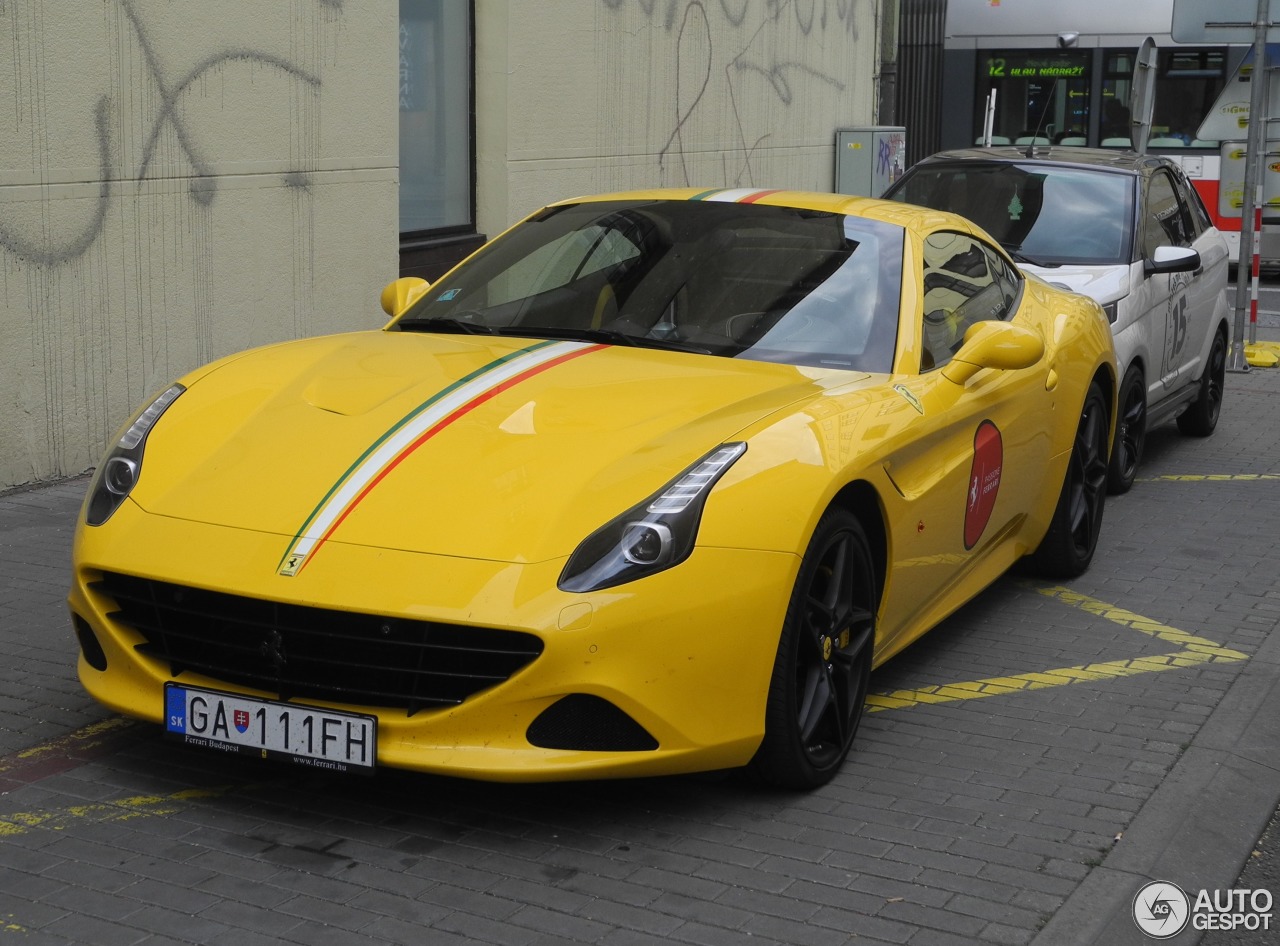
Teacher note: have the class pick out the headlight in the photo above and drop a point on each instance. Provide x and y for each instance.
(118, 472)
(653, 535)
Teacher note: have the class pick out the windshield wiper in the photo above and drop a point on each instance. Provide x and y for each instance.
(1015, 250)
(464, 326)
(456, 326)
(607, 337)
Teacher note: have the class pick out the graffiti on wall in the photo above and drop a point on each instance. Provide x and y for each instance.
(726, 40)
(168, 116)
(891, 157)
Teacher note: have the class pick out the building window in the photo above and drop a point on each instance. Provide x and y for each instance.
(436, 151)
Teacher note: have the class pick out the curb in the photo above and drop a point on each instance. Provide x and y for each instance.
(1198, 827)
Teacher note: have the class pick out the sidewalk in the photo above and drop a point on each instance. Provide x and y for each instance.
(1213, 809)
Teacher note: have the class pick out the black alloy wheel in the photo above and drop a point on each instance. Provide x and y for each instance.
(1131, 433)
(821, 673)
(1200, 419)
(1067, 548)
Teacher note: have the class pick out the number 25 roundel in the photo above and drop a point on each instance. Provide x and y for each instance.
(984, 482)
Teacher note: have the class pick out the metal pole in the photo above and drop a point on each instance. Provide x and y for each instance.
(1253, 162)
(988, 122)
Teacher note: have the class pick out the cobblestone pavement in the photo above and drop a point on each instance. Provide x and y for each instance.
(1024, 770)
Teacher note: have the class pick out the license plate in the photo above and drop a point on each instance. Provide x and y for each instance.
(306, 735)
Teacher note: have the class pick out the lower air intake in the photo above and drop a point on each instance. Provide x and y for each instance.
(588, 724)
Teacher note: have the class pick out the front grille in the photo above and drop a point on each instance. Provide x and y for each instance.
(296, 651)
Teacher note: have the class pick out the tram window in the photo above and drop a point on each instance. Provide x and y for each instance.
(1047, 94)
(1041, 94)
(1187, 83)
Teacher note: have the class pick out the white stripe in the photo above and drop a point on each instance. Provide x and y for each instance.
(730, 196)
(390, 449)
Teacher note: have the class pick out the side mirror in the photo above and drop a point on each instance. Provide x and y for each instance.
(402, 293)
(1171, 259)
(1001, 345)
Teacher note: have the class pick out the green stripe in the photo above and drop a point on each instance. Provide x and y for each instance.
(444, 392)
(705, 194)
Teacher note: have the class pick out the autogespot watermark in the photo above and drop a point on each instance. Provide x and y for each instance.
(1163, 910)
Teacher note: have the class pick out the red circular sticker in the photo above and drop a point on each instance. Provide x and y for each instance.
(984, 482)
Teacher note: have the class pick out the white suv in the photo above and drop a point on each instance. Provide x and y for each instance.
(1129, 231)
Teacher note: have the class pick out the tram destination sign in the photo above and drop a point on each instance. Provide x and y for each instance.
(1023, 64)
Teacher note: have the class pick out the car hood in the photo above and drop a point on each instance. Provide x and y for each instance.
(1102, 284)
(502, 449)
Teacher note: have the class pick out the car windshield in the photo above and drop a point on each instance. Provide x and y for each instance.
(1044, 214)
(735, 280)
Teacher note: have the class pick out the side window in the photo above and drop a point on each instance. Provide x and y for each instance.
(1007, 278)
(1167, 219)
(965, 282)
(1200, 221)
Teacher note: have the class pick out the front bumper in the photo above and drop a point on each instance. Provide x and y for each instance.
(686, 654)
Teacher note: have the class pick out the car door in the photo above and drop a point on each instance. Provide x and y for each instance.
(971, 469)
(1206, 298)
(1175, 300)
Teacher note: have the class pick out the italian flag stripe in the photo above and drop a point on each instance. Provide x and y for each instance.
(413, 430)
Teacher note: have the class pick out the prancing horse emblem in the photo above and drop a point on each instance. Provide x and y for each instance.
(273, 649)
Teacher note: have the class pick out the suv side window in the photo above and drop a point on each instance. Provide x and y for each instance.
(1167, 218)
(1200, 220)
(965, 282)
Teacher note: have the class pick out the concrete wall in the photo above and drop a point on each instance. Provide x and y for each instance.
(583, 96)
(180, 180)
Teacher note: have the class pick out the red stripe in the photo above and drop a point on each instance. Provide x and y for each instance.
(1257, 265)
(432, 431)
(752, 198)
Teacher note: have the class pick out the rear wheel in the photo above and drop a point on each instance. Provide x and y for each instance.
(1201, 417)
(1131, 432)
(823, 665)
(1067, 548)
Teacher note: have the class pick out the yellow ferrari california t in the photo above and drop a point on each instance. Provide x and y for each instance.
(647, 485)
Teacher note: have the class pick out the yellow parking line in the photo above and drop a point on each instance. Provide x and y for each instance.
(1195, 651)
(1210, 478)
(87, 737)
(12, 927)
(122, 809)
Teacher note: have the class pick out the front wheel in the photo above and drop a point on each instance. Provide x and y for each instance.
(1201, 417)
(823, 664)
(1131, 432)
(1067, 548)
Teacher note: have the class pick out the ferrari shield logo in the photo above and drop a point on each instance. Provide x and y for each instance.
(241, 720)
(984, 481)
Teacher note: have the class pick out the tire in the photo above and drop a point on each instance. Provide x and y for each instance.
(823, 665)
(1068, 546)
(1131, 433)
(1201, 417)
